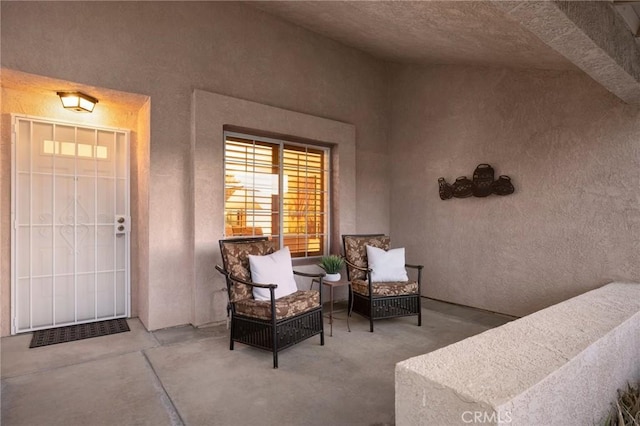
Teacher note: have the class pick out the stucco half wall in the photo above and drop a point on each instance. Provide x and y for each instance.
(212, 114)
(561, 365)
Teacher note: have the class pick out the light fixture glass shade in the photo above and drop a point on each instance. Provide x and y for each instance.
(78, 101)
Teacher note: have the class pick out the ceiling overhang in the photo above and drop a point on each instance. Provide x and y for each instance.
(630, 12)
(591, 36)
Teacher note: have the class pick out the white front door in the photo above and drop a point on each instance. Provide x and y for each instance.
(70, 224)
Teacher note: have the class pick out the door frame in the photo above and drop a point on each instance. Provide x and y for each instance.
(13, 219)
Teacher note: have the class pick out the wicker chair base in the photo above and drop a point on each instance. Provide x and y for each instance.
(289, 331)
(387, 307)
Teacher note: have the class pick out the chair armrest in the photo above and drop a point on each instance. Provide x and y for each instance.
(419, 267)
(356, 266)
(240, 280)
(222, 270)
(318, 276)
(254, 284)
(306, 274)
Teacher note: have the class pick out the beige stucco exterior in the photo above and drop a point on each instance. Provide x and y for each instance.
(165, 51)
(570, 147)
(572, 150)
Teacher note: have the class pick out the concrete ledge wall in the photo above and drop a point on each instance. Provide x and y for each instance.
(559, 366)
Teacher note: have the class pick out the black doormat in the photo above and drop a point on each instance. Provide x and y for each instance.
(70, 333)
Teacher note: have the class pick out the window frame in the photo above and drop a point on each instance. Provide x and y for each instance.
(281, 143)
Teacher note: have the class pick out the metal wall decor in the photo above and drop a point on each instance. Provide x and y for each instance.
(482, 185)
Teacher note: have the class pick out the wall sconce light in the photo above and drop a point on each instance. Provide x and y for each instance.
(78, 101)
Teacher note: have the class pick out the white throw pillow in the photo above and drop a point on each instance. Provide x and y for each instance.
(273, 269)
(386, 266)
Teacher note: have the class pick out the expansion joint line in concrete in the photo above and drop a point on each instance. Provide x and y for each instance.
(167, 402)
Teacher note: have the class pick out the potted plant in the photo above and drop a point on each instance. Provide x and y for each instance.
(332, 264)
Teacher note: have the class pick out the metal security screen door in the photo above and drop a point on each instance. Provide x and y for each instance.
(70, 217)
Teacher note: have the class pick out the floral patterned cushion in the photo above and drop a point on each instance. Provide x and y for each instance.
(235, 258)
(287, 306)
(355, 251)
(385, 289)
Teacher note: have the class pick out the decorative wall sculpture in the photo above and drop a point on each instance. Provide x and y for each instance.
(482, 185)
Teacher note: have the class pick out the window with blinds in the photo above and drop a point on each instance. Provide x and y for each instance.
(277, 189)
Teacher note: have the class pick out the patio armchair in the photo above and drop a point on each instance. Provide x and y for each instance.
(258, 316)
(392, 296)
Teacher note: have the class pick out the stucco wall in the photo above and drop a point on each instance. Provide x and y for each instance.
(573, 152)
(166, 50)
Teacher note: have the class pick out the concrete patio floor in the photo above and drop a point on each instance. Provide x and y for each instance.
(189, 376)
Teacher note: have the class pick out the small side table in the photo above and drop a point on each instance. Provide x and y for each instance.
(332, 285)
